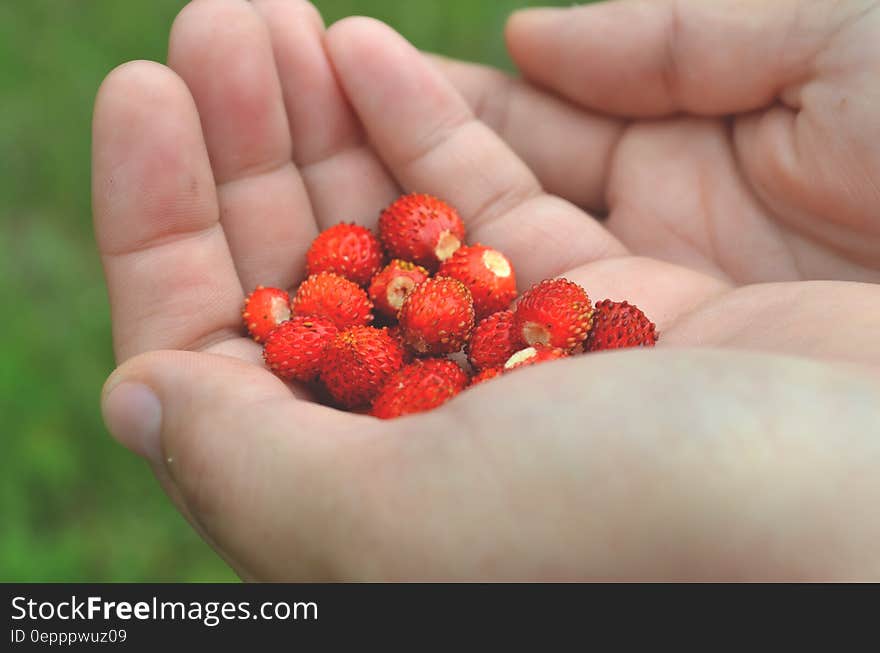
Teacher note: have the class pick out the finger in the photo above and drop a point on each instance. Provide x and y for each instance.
(656, 57)
(431, 142)
(169, 273)
(329, 146)
(275, 483)
(222, 50)
(569, 150)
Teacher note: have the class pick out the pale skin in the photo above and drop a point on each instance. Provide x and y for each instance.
(733, 146)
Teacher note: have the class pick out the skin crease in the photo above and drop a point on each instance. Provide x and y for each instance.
(732, 146)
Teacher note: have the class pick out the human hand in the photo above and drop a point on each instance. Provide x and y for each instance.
(738, 138)
(671, 463)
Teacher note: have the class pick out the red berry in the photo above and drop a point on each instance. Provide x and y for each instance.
(393, 283)
(349, 250)
(555, 312)
(532, 355)
(487, 274)
(485, 375)
(329, 295)
(356, 364)
(420, 386)
(396, 333)
(422, 229)
(493, 341)
(295, 349)
(264, 309)
(619, 324)
(438, 316)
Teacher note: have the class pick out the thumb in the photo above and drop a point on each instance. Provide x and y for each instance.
(655, 57)
(253, 467)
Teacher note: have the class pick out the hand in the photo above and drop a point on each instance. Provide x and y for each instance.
(738, 138)
(214, 175)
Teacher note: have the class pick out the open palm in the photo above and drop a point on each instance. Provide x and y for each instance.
(214, 175)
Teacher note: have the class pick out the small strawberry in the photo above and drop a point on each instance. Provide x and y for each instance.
(356, 364)
(421, 229)
(329, 295)
(487, 274)
(438, 316)
(420, 386)
(349, 250)
(295, 348)
(493, 341)
(532, 355)
(264, 309)
(619, 324)
(393, 283)
(554, 312)
(396, 333)
(485, 375)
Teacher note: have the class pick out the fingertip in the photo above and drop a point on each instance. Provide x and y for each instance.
(133, 416)
(376, 67)
(132, 92)
(308, 10)
(525, 27)
(535, 18)
(128, 84)
(357, 35)
(353, 25)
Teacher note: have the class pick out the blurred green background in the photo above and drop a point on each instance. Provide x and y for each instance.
(74, 506)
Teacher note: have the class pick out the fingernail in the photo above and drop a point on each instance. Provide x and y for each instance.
(133, 416)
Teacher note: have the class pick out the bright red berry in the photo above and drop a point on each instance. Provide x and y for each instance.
(395, 332)
(487, 274)
(329, 295)
(555, 312)
(485, 375)
(438, 316)
(493, 341)
(349, 250)
(619, 324)
(356, 364)
(294, 349)
(532, 355)
(264, 309)
(420, 386)
(421, 229)
(393, 283)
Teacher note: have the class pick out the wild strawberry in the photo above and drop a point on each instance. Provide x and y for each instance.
(329, 295)
(619, 324)
(264, 309)
(438, 316)
(295, 348)
(487, 274)
(393, 283)
(421, 229)
(485, 375)
(356, 364)
(532, 355)
(396, 333)
(420, 386)
(555, 312)
(493, 341)
(349, 250)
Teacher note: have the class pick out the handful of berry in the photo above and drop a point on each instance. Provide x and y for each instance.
(434, 298)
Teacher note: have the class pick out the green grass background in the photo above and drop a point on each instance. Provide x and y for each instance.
(75, 506)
